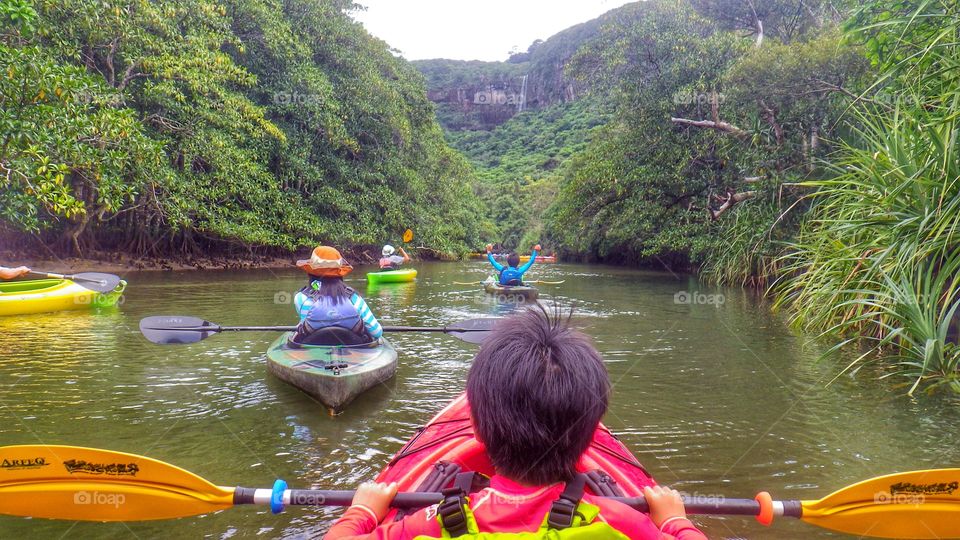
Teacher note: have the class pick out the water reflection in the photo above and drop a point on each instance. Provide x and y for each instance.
(393, 294)
(715, 399)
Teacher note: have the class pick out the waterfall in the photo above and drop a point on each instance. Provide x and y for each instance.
(523, 94)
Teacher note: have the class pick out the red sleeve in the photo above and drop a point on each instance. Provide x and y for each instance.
(639, 526)
(683, 529)
(357, 524)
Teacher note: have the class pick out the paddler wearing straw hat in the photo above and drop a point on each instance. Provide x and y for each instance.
(331, 313)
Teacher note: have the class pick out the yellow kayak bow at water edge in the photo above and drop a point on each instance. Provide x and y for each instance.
(49, 295)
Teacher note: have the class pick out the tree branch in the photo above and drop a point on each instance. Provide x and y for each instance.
(129, 75)
(830, 87)
(758, 24)
(165, 123)
(719, 126)
(111, 73)
(770, 116)
(729, 201)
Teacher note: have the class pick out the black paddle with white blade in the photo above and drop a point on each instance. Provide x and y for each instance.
(94, 281)
(176, 329)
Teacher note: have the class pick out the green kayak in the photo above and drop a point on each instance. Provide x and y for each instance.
(392, 276)
(505, 293)
(334, 375)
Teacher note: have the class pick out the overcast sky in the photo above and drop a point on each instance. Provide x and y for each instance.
(480, 30)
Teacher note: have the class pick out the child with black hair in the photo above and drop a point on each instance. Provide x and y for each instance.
(512, 274)
(537, 391)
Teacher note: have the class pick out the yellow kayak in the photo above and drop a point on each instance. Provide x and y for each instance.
(46, 295)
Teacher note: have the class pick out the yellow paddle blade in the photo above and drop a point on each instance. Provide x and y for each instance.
(407, 236)
(916, 504)
(75, 483)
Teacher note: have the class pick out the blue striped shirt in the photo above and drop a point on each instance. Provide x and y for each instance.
(303, 304)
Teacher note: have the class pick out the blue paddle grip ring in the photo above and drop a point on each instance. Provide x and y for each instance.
(276, 499)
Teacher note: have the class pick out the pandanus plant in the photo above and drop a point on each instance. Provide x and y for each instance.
(877, 258)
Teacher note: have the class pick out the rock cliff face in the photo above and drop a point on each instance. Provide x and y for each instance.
(475, 95)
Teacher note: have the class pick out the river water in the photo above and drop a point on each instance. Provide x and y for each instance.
(714, 394)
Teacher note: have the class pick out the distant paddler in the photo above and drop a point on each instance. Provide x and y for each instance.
(392, 261)
(512, 274)
(13, 273)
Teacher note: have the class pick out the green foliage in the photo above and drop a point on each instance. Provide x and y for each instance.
(519, 162)
(656, 188)
(783, 20)
(628, 196)
(64, 154)
(876, 260)
(442, 74)
(453, 83)
(263, 122)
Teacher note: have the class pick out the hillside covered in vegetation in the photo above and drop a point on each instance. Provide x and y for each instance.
(806, 148)
(176, 128)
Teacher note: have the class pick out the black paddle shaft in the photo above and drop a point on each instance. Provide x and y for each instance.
(176, 329)
(444, 329)
(320, 497)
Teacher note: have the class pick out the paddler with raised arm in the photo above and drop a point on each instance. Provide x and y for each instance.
(511, 275)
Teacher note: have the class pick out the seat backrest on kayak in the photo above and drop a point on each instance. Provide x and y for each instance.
(328, 321)
(332, 336)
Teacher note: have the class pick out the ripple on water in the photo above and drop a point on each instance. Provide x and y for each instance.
(713, 400)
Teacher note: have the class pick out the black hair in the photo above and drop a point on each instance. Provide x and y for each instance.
(537, 391)
(513, 260)
(332, 286)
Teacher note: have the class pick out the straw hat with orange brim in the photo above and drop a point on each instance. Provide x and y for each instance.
(325, 261)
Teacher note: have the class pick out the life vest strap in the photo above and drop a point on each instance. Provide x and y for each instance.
(564, 509)
(456, 518)
(452, 511)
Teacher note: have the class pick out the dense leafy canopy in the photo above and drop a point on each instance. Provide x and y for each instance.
(520, 161)
(151, 126)
(709, 135)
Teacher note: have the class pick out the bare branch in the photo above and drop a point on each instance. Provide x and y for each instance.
(111, 73)
(770, 116)
(729, 202)
(830, 87)
(719, 126)
(165, 123)
(758, 24)
(129, 75)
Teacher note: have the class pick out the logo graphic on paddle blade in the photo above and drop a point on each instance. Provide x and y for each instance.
(28, 463)
(111, 469)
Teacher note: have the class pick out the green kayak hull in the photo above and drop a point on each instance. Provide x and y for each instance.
(392, 276)
(505, 293)
(333, 375)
